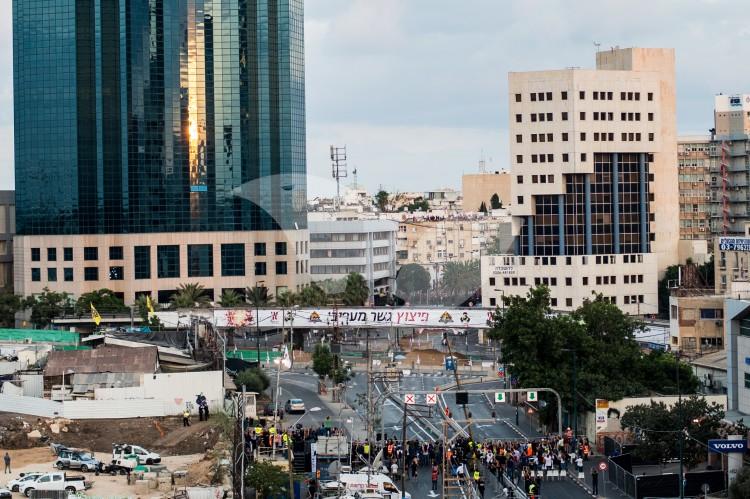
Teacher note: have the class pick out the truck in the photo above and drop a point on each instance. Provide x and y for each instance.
(358, 482)
(76, 460)
(57, 481)
(15, 485)
(129, 451)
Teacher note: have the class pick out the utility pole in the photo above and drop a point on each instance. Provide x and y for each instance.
(681, 427)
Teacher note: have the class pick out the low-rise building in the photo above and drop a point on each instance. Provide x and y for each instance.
(340, 244)
(696, 324)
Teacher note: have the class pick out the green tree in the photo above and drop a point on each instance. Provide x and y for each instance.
(412, 278)
(483, 208)
(104, 300)
(9, 305)
(658, 373)
(190, 295)
(286, 298)
(419, 204)
(141, 307)
(706, 271)
(495, 203)
(740, 488)
(253, 379)
(47, 305)
(658, 429)
(322, 360)
(267, 479)
(258, 296)
(231, 298)
(356, 290)
(461, 277)
(312, 295)
(381, 200)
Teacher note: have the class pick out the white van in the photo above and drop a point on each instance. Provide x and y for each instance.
(353, 482)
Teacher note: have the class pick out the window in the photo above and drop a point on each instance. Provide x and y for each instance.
(493, 302)
(564, 116)
(568, 281)
(200, 260)
(260, 249)
(568, 302)
(518, 97)
(533, 117)
(142, 262)
(582, 115)
(68, 254)
(564, 95)
(585, 281)
(90, 253)
(519, 138)
(565, 157)
(116, 273)
(519, 179)
(747, 380)
(534, 158)
(115, 253)
(565, 136)
(549, 95)
(36, 255)
(534, 179)
(549, 116)
(520, 199)
(281, 248)
(553, 302)
(167, 261)
(232, 260)
(68, 274)
(583, 157)
(651, 137)
(533, 97)
(260, 268)
(534, 137)
(581, 94)
(281, 268)
(519, 118)
(651, 116)
(36, 274)
(650, 96)
(712, 313)
(51, 254)
(52, 274)
(519, 158)
(91, 273)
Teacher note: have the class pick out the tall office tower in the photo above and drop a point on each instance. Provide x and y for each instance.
(159, 142)
(730, 165)
(594, 191)
(695, 184)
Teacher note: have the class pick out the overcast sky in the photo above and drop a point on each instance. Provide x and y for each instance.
(417, 88)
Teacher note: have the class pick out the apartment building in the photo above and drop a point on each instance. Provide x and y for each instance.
(594, 191)
(696, 323)
(695, 184)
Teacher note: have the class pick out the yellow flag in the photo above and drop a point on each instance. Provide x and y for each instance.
(149, 306)
(95, 315)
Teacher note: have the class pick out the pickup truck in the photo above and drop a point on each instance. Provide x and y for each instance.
(76, 460)
(15, 485)
(55, 481)
(141, 455)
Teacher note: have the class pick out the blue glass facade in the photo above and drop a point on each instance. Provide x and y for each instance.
(142, 116)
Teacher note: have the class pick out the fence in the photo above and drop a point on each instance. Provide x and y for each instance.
(621, 477)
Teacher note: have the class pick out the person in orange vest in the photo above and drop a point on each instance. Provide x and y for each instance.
(586, 451)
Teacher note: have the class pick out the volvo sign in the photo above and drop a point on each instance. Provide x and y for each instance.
(724, 446)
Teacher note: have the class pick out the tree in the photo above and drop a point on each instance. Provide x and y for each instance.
(483, 208)
(740, 488)
(286, 298)
(412, 278)
(322, 360)
(495, 203)
(356, 290)
(141, 307)
(9, 305)
(104, 300)
(312, 296)
(267, 479)
(461, 277)
(706, 271)
(381, 200)
(190, 295)
(231, 298)
(253, 379)
(46, 306)
(658, 429)
(419, 204)
(258, 296)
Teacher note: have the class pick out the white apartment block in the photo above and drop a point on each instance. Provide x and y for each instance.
(594, 182)
(341, 246)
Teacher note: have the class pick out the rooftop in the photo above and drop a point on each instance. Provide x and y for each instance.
(102, 360)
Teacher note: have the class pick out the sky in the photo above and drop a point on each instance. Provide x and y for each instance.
(417, 89)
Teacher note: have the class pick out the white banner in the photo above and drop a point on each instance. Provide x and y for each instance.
(321, 318)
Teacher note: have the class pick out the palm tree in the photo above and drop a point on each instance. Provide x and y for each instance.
(356, 291)
(189, 296)
(312, 296)
(286, 298)
(230, 298)
(258, 296)
(461, 277)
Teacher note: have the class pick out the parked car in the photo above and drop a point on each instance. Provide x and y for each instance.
(15, 485)
(76, 460)
(56, 481)
(294, 405)
(268, 411)
(5, 494)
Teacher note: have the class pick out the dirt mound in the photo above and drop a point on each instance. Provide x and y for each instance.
(165, 435)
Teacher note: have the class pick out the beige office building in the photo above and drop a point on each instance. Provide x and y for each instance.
(594, 191)
(478, 188)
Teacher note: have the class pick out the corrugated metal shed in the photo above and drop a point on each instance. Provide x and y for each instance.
(33, 384)
(102, 360)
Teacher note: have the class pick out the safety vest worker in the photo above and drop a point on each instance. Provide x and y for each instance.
(367, 449)
(258, 430)
(285, 438)
(532, 490)
(476, 475)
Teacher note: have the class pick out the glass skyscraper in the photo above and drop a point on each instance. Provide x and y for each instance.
(146, 116)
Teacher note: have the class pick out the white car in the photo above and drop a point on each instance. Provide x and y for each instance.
(15, 485)
(5, 494)
(294, 405)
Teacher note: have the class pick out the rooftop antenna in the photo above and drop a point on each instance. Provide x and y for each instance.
(338, 170)
(597, 45)
(354, 175)
(482, 163)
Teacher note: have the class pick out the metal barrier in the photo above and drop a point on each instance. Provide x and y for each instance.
(622, 479)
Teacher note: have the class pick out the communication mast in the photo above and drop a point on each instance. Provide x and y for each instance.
(338, 170)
